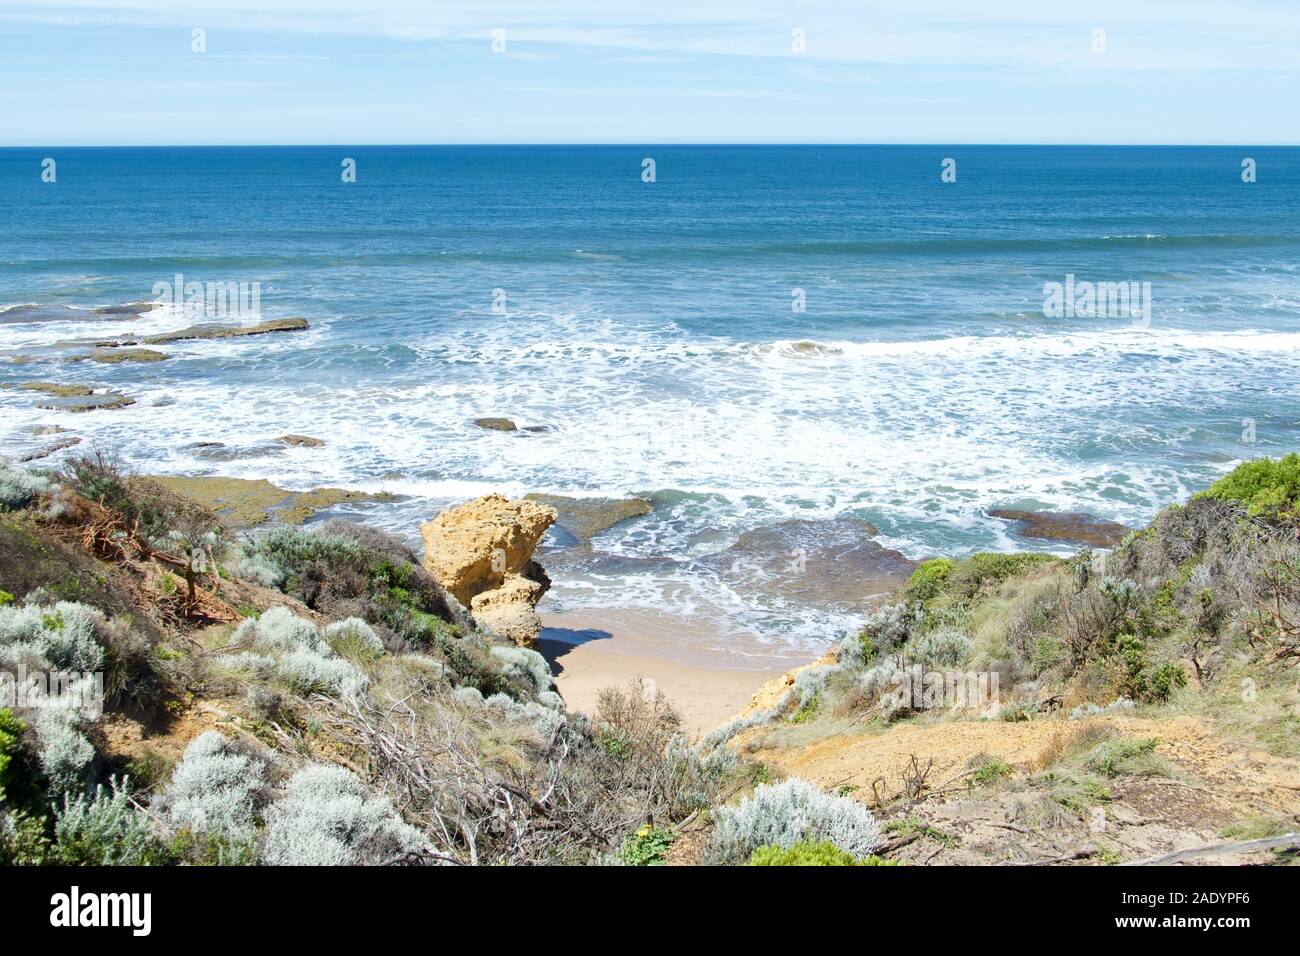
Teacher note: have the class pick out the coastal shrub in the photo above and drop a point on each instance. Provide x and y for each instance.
(635, 725)
(929, 578)
(306, 671)
(347, 570)
(259, 569)
(280, 629)
(647, 846)
(525, 665)
(1164, 679)
(942, 647)
(64, 753)
(328, 818)
(545, 720)
(18, 486)
(105, 830)
(809, 685)
(985, 570)
(1269, 487)
(468, 696)
(293, 650)
(888, 626)
(23, 840)
(353, 637)
(250, 661)
(783, 814)
(152, 510)
(855, 651)
(218, 788)
(65, 636)
(812, 853)
(11, 729)
(694, 777)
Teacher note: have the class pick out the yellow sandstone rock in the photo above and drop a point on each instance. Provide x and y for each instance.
(482, 553)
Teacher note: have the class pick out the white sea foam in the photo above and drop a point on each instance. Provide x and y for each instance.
(919, 437)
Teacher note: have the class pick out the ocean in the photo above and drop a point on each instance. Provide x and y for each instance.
(759, 335)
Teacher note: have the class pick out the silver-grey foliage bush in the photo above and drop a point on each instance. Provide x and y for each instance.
(543, 718)
(64, 636)
(216, 789)
(18, 486)
(942, 647)
(353, 637)
(783, 814)
(280, 629)
(306, 672)
(468, 696)
(65, 753)
(327, 817)
(259, 569)
(525, 664)
(298, 654)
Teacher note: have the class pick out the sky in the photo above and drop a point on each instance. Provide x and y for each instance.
(129, 72)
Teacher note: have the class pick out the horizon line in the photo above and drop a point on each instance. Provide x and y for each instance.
(641, 143)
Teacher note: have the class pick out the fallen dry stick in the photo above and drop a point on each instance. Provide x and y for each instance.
(1218, 849)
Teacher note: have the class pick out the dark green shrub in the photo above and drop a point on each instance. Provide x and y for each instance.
(1164, 679)
(347, 570)
(11, 728)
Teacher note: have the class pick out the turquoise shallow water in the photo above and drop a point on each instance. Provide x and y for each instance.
(650, 325)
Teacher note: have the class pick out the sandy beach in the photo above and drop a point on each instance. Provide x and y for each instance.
(593, 649)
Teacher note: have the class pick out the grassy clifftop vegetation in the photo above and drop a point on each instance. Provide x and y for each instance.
(314, 696)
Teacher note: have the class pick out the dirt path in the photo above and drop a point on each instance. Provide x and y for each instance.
(1256, 780)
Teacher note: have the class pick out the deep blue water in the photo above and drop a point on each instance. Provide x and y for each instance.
(650, 324)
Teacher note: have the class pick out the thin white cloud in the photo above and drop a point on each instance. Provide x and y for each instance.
(1158, 35)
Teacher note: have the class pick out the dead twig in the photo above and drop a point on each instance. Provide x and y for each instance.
(1220, 849)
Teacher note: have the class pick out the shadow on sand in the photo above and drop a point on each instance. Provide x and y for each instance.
(554, 642)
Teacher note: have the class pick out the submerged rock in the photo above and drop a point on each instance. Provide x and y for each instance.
(482, 552)
(50, 449)
(86, 403)
(219, 451)
(131, 308)
(214, 331)
(54, 388)
(1071, 527)
(496, 424)
(583, 518)
(114, 356)
(824, 562)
